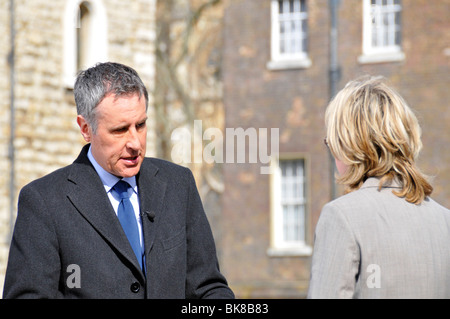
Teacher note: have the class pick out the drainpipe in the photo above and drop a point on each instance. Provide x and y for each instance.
(12, 124)
(334, 76)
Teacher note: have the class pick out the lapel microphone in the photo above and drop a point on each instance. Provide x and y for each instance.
(150, 215)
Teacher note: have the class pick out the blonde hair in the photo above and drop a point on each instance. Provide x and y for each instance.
(371, 129)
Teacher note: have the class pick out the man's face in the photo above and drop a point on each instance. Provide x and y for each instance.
(119, 143)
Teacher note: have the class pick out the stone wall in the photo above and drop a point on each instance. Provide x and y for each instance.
(4, 137)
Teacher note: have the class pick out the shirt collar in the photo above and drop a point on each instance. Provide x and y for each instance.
(108, 179)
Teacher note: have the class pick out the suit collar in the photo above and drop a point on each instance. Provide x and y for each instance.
(375, 182)
(152, 189)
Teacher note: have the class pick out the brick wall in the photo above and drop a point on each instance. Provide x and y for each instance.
(422, 78)
(295, 100)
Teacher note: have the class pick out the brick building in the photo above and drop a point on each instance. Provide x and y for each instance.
(276, 67)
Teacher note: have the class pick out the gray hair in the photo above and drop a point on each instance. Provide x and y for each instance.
(94, 84)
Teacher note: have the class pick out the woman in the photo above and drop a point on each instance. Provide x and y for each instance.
(386, 238)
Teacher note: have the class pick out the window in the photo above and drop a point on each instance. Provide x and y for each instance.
(289, 209)
(289, 35)
(381, 31)
(83, 30)
(85, 37)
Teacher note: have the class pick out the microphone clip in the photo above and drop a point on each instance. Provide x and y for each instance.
(150, 215)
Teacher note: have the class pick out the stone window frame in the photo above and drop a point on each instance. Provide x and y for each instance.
(375, 13)
(97, 41)
(295, 60)
(280, 247)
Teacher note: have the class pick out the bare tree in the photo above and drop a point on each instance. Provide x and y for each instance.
(188, 83)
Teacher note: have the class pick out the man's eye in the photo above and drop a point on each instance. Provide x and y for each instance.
(120, 130)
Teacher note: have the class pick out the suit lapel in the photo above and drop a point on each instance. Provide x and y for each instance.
(151, 195)
(90, 199)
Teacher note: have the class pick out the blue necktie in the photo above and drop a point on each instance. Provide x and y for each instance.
(127, 218)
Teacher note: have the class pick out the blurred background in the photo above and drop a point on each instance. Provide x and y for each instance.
(247, 64)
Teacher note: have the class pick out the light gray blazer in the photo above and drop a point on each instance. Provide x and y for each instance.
(373, 244)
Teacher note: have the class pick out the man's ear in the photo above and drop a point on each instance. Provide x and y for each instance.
(85, 128)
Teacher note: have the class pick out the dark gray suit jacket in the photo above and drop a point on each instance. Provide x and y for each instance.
(66, 227)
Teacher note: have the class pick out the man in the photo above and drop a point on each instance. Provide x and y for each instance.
(78, 234)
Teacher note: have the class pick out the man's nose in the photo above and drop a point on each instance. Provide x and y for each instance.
(133, 140)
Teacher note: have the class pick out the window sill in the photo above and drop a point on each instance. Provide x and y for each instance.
(304, 251)
(381, 57)
(69, 81)
(289, 64)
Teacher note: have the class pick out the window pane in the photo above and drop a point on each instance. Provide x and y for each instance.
(385, 37)
(286, 6)
(397, 19)
(295, 223)
(293, 29)
(303, 6)
(83, 34)
(385, 20)
(296, 6)
(301, 223)
(385, 23)
(292, 201)
(304, 26)
(292, 20)
(397, 38)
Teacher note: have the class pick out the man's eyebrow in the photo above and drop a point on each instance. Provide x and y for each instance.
(119, 127)
(144, 120)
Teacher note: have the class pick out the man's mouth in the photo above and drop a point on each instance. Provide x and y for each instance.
(132, 160)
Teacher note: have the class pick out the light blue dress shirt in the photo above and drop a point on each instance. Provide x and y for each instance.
(109, 180)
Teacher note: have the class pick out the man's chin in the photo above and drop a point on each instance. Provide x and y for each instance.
(130, 171)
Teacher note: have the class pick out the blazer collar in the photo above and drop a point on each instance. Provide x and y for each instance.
(375, 182)
(152, 189)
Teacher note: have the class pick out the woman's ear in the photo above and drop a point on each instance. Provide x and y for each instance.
(341, 167)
